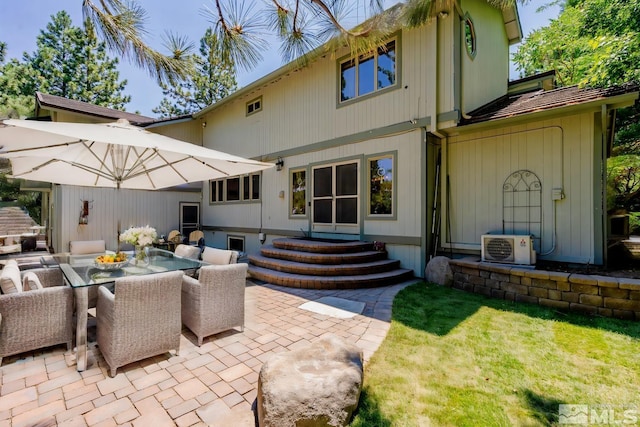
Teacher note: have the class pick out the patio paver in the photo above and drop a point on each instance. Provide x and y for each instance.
(214, 385)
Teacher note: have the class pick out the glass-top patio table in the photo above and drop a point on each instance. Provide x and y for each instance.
(81, 273)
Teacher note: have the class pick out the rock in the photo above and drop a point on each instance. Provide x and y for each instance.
(318, 385)
(438, 271)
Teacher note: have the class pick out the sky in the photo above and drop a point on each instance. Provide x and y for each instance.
(22, 20)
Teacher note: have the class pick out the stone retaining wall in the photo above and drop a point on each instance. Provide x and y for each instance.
(582, 293)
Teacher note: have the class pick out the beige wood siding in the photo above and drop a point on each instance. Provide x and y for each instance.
(159, 209)
(190, 131)
(485, 77)
(301, 107)
(559, 151)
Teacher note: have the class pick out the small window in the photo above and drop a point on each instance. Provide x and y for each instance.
(246, 188)
(235, 243)
(368, 73)
(381, 179)
(233, 189)
(298, 195)
(469, 36)
(254, 106)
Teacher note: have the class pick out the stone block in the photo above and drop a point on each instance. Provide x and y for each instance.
(497, 293)
(525, 281)
(500, 277)
(559, 276)
(595, 300)
(563, 286)
(622, 304)
(614, 293)
(317, 385)
(467, 270)
(537, 274)
(606, 312)
(538, 292)
(555, 295)
(582, 288)
(516, 289)
(633, 295)
(543, 283)
(494, 284)
(466, 286)
(515, 279)
(630, 284)
(583, 279)
(607, 281)
(509, 296)
(570, 297)
(476, 280)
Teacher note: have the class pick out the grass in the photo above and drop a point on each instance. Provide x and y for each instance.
(453, 358)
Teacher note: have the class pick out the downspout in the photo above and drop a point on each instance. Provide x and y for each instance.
(604, 115)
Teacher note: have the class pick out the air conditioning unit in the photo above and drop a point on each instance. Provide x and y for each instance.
(508, 249)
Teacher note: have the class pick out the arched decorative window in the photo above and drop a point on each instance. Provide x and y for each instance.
(522, 205)
(470, 36)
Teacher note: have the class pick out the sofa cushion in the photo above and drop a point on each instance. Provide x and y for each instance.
(31, 282)
(10, 278)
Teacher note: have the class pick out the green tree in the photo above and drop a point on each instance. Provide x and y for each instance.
(596, 43)
(70, 62)
(300, 25)
(210, 79)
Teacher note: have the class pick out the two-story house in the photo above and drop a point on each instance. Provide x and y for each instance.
(422, 144)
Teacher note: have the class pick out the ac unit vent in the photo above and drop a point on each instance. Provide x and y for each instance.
(511, 249)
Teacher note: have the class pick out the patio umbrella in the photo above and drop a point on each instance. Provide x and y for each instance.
(116, 155)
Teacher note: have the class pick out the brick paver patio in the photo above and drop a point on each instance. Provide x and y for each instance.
(213, 385)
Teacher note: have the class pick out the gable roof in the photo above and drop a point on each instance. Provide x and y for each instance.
(54, 102)
(509, 15)
(540, 100)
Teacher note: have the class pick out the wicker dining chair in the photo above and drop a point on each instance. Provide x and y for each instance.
(131, 326)
(215, 301)
(33, 319)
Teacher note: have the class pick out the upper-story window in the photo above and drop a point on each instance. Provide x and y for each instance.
(469, 36)
(254, 106)
(368, 73)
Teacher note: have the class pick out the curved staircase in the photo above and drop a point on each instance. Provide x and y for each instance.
(325, 264)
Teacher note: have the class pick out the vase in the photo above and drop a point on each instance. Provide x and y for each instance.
(141, 256)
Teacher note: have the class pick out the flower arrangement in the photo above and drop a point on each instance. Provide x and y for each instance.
(139, 236)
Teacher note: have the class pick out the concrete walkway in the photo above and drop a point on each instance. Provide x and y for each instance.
(213, 385)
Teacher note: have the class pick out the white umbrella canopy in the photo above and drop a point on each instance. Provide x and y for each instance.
(116, 155)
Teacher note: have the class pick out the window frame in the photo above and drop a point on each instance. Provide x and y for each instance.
(292, 171)
(468, 22)
(218, 186)
(239, 238)
(397, 41)
(394, 196)
(254, 101)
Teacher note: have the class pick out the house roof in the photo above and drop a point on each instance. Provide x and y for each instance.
(54, 102)
(540, 100)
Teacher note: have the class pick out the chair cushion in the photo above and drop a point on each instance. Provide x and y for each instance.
(10, 278)
(31, 282)
(216, 256)
(187, 251)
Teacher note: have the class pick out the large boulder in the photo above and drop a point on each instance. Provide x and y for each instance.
(318, 385)
(439, 271)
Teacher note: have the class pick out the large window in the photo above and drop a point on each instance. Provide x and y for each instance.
(298, 194)
(245, 188)
(368, 73)
(381, 179)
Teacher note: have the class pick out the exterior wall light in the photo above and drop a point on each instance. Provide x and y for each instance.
(279, 164)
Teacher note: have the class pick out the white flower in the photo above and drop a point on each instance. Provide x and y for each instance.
(139, 236)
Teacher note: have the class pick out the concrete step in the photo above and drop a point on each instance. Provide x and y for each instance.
(356, 269)
(270, 251)
(330, 282)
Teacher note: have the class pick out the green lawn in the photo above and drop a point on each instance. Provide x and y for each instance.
(453, 358)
